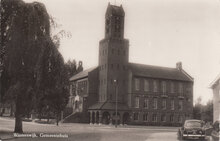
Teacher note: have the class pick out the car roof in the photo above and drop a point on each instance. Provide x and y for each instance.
(193, 120)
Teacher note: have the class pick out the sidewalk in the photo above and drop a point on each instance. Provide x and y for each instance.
(6, 135)
(122, 126)
(97, 125)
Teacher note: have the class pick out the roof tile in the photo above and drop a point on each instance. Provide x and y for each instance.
(158, 72)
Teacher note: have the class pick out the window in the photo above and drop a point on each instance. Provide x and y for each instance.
(180, 105)
(172, 87)
(154, 118)
(164, 104)
(155, 86)
(146, 85)
(145, 118)
(137, 84)
(155, 104)
(163, 87)
(180, 88)
(172, 104)
(136, 116)
(163, 118)
(171, 118)
(136, 102)
(146, 103)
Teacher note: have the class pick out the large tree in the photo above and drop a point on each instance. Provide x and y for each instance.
(203, 112)
(32, 64)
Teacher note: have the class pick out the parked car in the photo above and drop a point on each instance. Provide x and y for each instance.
(215, 131)
(192, 129)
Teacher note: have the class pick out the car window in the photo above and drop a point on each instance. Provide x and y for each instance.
(193, 124)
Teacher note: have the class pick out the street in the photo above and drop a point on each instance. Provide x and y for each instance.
(86, 132)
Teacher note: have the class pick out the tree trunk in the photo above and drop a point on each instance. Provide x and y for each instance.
(57, 118)
(18, 124)
(18, 116)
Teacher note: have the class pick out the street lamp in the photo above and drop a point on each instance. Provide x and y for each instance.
(116, 103)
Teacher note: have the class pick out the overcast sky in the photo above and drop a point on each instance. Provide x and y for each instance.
(161, 33)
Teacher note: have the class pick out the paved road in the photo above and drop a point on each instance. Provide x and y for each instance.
(85, 132)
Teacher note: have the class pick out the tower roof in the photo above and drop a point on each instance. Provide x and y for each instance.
(115, 10)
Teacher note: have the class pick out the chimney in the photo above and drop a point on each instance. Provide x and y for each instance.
(80, 67)
(179, 65)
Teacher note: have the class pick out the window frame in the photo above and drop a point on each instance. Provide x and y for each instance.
(137, 102)
(172, 102)
(164, 87)
(145, 117)
(154, 117)
(137, 84)
(164, 104)
(146, 103)
(155, 86)
(180, 105)
(172, 87)
(155, 103)
(163, 118)
(146, 85)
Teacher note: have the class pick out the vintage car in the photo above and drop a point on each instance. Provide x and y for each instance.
(215, 131)
(192, 129)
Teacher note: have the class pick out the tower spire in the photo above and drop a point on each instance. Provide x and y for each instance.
(114, 24)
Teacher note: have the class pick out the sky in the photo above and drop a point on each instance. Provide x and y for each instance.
(160, 32)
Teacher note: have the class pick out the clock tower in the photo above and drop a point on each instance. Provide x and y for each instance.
(113, 57)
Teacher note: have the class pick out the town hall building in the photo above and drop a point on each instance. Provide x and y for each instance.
(117, 91)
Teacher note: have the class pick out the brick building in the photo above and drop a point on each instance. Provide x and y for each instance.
(145, 94)
(215, 86)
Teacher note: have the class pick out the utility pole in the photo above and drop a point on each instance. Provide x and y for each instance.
(116, 103)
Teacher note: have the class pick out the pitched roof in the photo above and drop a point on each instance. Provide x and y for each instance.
(116, 10)
(159, 72)
(216, 81)
(108, 106)
(82, 74)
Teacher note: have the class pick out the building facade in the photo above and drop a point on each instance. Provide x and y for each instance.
(130, 93)
(215, 86)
